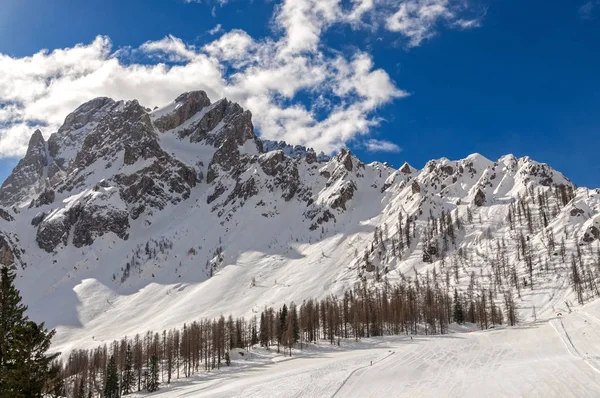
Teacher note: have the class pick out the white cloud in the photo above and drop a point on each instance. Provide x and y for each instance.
(374, 145)
(417, 19)
(467, 23)
(175, 49)
(265, 76)
(303, 22)
(217, 29)
(360, 8)
(232, 46)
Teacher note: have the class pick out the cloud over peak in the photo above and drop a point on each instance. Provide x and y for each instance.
(298, 90)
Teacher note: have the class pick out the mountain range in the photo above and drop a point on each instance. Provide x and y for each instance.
(128, 219)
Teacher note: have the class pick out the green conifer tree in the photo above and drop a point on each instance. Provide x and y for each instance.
(128, 383)
(25, 369)
(458, 313)
(154, 373)
(111, 385)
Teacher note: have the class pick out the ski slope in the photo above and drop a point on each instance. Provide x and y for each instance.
(555, 358)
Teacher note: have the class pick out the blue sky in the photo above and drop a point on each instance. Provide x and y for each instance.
(443, 78)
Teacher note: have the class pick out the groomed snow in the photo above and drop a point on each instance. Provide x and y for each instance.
(556, 358)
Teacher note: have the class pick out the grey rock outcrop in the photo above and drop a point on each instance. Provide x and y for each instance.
(27, 173)
(7, 256)
(592, 233)
(189, 104)
(479, 199)
(5, 215)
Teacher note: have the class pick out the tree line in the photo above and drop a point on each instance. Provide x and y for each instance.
(419, 305)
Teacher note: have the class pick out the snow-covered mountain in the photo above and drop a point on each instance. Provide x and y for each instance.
(128, 219)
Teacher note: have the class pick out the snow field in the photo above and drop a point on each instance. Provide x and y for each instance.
(555, 358)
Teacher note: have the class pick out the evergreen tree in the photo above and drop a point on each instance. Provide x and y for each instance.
(111, 386)
(458, 313)
(264, 331)
(128, 373)
(254, 335)
(25, 369)
(56, 385)
(282, 323)
(153, 376)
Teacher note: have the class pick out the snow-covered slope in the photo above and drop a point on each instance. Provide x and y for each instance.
(128, 219)
(558, 358)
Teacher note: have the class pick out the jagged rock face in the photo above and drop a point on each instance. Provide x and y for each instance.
(542, 171)
(126, 129)
(35, 221)
(45, 198)
(225, 159)
(53, 232)
(344, 195)
(319, 216)
(138, 142)
(7, 256)
(94, 221)
(415, 187)
(188, 104)
(447, 169)
(284, 172)
(345, 158)
(295, 151)
(6, 215)
(243, 190)
(67, 140)
(226, 121)
(27, 174)
(148, 187)
(91, 216)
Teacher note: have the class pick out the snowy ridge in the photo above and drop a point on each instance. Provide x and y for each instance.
(174, 212)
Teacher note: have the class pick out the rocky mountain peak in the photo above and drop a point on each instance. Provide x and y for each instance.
(64, 145)
(183, 108)
(28, 173)
(36, 144)
(85, 113)
(406, 168)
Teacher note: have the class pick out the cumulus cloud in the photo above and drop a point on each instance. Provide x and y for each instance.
(373, 145)
(265, 76)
